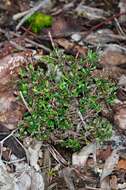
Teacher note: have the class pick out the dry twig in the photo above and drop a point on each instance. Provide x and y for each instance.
(3, 140)
(28, 13)
(24, 101)
(26, 39)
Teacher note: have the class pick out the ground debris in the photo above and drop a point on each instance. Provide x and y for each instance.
(81, 158)
(79, 27)
(90, 12)
(110, 163)
(120, 116)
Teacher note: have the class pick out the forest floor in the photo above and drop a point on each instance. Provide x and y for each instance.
(63, 95)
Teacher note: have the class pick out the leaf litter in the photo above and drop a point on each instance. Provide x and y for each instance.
(77, 27)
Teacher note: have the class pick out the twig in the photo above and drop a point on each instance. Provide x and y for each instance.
(19, 47)
(51, 39)
(57, 156)
(7, 137)
(52, 42)
(27, 154)
(31, 12)
(81, 117)
(119, 27)
(3, 140)
(105, 22)
(19, 15)
(26, 39)
(24, 101)
(38, 45)
(52, 186)
(14, 161)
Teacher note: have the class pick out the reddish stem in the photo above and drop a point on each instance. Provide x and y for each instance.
(106, 21)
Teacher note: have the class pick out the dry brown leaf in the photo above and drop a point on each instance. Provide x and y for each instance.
(113, 182)
(112, 58)
(62, 25)
(121, 92)
(110, 164)
(104, 154)
(120, 116)
(72, 47)
(109, 72)
(9, 47)
(121, 164)
(11, 111)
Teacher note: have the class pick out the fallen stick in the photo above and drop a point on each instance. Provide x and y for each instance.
(41, 4)
(26, 39)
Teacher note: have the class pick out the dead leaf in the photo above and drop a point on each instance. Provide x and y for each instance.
(10, 145)
(14, 146)
(113, 182)
(9, 65)
(28, 178)
(100, 37)
(110, 164)
(63, 25)
(121, 92)
(90, 12)
(68, 175)
(8, 47)
(122, 186)
(112, 57)
(122, 82)
(79, 159)
(120, 116)
(37, 181)
(122, 153)
(23, 5)
(122, 6)
(109, 72)
(121, 164)
(105, 184)
(104, 154)
(71, 47)
(6, 180)
(33, 151)
(11, 110)
(6, 152)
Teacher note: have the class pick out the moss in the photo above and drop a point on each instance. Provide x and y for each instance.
(65, 97)
(38, 21)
